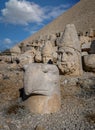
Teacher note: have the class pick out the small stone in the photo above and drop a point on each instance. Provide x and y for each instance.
(39, 127)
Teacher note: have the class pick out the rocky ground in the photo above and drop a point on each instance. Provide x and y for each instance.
(77, 109)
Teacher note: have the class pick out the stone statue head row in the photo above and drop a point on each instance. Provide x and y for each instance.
(67, 55)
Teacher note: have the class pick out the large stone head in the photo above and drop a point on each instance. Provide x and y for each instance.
(42, 82)
(47, 52)
(41, 79)
(69, 55)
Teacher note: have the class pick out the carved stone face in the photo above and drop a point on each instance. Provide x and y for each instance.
(67, 60)
(41, 79)
(46, 59)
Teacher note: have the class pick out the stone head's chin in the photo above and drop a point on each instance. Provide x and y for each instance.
(67, 68)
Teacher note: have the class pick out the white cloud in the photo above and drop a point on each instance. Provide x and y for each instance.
(5, 44)
(7, 41)
(34, 28)
(22, 12)
(56, 11)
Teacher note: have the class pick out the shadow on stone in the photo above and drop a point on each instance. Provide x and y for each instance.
(92, 47)
(23, 95)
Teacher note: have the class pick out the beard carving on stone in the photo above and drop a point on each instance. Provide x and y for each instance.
(67, 60)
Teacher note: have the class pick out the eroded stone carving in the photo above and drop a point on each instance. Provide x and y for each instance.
(27, 57)
(15, 50)
(42, 80)
(47, 52)
(69, 52)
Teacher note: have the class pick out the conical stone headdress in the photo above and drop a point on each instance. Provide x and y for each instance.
(47, 49)
(69, 38)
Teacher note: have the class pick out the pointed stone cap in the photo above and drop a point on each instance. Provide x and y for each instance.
(47, 49)
(70, 38)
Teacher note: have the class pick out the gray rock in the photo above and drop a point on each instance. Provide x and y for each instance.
(84, 53)
(86, 46)
(41, 79)
(15, 50)
(39, 127)
(89, 62)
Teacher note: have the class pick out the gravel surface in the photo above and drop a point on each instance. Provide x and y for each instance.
(77, 108)
(74, 114)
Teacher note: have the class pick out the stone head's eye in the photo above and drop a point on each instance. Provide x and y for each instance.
(60, 53)
(68, 53)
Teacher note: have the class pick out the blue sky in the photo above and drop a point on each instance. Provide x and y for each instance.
(19, 19)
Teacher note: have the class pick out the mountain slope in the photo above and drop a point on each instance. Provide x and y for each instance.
(82, 15)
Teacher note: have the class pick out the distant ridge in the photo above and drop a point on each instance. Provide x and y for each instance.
(82, 15)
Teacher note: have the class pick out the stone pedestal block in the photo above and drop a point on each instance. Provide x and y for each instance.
(43, 104)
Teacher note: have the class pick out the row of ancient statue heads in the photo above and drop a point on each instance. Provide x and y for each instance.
(63, 50)
(67, 55)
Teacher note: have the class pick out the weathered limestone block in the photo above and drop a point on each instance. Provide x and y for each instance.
(15, 50)
(89, 62)
(69, 52)
(86, 46)
(42, 81)
(6, 58)
(84, 53)
(26, 58)
(43, 104)
(84, 39)
(47, 52)
(53, 37)
(26, 47)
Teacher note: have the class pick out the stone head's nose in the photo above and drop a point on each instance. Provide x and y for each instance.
(64, 57)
